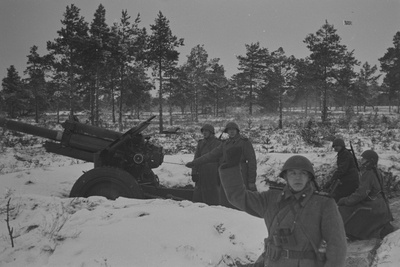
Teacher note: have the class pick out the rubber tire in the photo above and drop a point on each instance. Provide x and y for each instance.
(109, 182)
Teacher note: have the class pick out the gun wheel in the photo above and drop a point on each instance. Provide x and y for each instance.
(108, 182)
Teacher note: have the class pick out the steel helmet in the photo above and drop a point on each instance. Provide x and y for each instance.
(231, 125)
(208, 127)
(338, 142)
(371, 156)
(298, 162)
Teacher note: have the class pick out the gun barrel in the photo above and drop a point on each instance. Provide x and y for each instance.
(30, 129)
(86, 129)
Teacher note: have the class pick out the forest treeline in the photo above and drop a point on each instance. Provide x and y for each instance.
(113, 68)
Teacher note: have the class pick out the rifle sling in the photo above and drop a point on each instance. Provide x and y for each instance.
(382, 192)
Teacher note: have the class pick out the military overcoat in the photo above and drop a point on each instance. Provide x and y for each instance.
(366, 225)
(313, 218)
(248, 163)
(208, 185)
(347, 173)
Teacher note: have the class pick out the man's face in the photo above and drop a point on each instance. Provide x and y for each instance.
(297, 179)
(232, 132)
(206, 133)
(337, 148)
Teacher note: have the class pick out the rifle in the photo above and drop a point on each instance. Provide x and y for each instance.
(333, 186)
(336, 183)
(354, 158)
(383, 192)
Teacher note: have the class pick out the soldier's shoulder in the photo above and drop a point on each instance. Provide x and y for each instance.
(345, 153)
(244, 138)
(217, 140)
(322, 194)
(274, 187)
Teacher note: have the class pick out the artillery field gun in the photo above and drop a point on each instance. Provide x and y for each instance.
(123, 163)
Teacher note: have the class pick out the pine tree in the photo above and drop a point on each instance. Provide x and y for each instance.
(68, 50)
(366, 85)
(161, 52)
(96, 57)
(280, 73)
(327, 54)
(170, 77)
(252, 66)
(345, 77)
(196, 68)
(127, 46)
(304, 82)
(12, 93)
(36, 69)
(180, 94)
(137, 96)
(390, 64)
(217, 84)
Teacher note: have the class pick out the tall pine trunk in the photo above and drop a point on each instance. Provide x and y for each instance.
(96, 98)
(160, 97)
(121, 90)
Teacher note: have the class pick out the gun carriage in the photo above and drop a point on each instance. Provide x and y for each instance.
(123, 162)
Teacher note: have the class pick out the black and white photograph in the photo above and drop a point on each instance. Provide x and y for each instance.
(200, 133)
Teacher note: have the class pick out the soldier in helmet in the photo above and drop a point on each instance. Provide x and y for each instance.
(206, 176)
(346, 172)
(304, 226)
(248, 162)
(375, 222)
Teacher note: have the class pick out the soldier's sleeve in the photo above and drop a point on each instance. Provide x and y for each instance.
(250, 156)
(333, 233)
(361, 192)
(254, 203)
(219, 143)
(214, 155)
(198, 150)
(343, 166)
(196, 155)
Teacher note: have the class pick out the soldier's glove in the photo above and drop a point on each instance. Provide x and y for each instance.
(252, 187)
(195, 177)
(189, 164)
(233, 155)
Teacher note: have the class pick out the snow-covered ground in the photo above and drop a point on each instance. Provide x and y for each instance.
(50, 229)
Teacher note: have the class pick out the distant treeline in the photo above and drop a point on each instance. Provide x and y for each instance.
(96, 67)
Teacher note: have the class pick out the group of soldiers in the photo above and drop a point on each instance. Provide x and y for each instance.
(210, 154)
(306, 227)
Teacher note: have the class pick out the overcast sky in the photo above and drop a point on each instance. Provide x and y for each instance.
(222, 26)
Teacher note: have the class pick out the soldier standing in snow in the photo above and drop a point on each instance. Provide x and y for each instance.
(374, 223)
(346, 173)
(248, 164)
(304, 226)
(206, 176)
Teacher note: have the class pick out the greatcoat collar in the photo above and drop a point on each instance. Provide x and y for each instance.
(301, 197)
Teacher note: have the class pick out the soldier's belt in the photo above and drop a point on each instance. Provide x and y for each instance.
(275, 253)
(293, 254)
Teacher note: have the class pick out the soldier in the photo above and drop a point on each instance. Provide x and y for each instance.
(206, 176)
(375, 222)
(248, 164)
(304, 226)
(346, 172)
